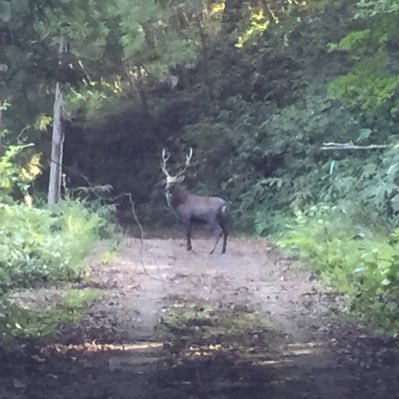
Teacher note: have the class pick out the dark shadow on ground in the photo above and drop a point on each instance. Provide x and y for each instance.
(225, 368)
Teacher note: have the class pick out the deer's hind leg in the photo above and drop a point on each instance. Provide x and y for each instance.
(219, 234)
(225, 233)
(220, 226)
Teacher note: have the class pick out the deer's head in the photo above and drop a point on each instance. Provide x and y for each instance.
(173, 182)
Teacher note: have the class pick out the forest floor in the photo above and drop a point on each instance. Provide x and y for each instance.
(172, 324)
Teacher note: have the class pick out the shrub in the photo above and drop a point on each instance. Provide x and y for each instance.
(38, 245)
(362, 264)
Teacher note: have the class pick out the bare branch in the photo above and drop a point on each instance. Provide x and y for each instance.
(129, 195)
(349, 146)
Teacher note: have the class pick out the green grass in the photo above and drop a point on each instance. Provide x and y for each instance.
(205, 321)
(18, 322)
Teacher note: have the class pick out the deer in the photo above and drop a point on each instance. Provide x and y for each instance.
(190, 208)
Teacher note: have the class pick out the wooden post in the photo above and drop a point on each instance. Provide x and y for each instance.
(57, 141)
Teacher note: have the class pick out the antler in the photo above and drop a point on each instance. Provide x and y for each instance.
(165, 158)
(188, 159)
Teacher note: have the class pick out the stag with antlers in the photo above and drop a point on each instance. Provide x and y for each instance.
(191, 208)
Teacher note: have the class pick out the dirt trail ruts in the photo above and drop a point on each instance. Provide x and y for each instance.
(172, 324)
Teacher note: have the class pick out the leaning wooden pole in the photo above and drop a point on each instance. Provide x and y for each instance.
(350, 146)
(57, 141)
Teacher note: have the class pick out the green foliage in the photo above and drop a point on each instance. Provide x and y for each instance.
(354, 41)
(40, 245)
(88, 101)
(372, 8)
(373, 82)
(10, 172)
(77, 300)
(364, 87)
(290, 138)
(18, 167)
(83, 23)
(257, 25)
(351, 258)
(18, 322)
(147, 41)
(269, 222)
(369, 184)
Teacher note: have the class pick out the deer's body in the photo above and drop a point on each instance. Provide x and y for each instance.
(191, 208)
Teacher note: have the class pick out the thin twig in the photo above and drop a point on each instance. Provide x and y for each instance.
(136, 218)
(129, 195)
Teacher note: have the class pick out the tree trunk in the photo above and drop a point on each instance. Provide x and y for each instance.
(185, 78)
(57, 141)
(141, 89)
(205, 57)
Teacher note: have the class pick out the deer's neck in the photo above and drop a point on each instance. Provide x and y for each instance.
(177, 196)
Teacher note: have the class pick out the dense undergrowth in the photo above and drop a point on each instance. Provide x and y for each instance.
(353, 258)
(40, 247)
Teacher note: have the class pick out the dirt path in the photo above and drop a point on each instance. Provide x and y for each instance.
(173, 324)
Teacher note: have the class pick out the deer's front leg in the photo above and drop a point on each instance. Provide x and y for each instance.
(188, 235)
